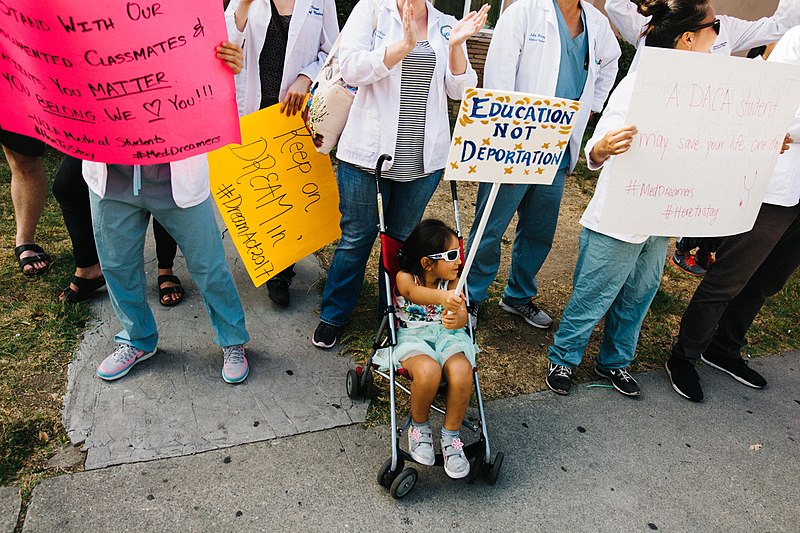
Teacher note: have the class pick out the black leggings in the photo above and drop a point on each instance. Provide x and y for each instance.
(72, 194)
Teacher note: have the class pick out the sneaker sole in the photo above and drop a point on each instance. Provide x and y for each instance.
(145, 357)
(679, 267)
(731, 374)
(509, 309)
(625, 393)
(456, 475)
(557, 391)
(322, 345)
(235, 381)
(675, 387)
(421, 460)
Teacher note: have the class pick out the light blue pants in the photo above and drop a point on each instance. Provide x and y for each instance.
(613, 278)
(119, 227)
(537, 207)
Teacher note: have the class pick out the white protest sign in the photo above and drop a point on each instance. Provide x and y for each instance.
(510, 137)
(710, 131)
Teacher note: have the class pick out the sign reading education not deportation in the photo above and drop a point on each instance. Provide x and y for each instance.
(510, 137)
(276, 193)
(117, 81)
(710, 131)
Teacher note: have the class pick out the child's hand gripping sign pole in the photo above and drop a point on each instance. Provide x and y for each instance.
(507, 137)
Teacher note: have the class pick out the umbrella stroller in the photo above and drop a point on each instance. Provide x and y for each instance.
(360, 381)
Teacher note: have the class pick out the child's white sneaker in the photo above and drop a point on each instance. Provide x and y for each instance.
(456, 464)
(420, 444)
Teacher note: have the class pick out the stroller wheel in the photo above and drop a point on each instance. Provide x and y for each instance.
(369, 385)
(352, 383)
(494, 473)
(403, 483)
(385, 475)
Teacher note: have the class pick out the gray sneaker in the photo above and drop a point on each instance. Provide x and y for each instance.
(532, 314)
(456, 464)
(420, 445)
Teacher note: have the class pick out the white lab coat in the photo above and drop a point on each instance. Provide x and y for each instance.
(613, 118)
(312, 31)
(735, 35)
(525, 51)
(189, 179)
(371, 128)
(784, 185)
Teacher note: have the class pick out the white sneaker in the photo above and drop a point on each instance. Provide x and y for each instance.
(456, 464)
(420, 445)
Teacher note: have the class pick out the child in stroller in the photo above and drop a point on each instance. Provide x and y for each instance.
(431, 342)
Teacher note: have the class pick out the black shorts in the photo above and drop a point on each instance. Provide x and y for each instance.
(22, 144)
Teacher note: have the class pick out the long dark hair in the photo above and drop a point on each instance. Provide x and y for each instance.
(670, 18)
(430, 237)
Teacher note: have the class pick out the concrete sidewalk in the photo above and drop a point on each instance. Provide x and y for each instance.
(176, 402)
(593, 461)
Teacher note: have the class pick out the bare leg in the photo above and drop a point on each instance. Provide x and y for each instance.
(458, 374)
(426, 375)
(28, 194)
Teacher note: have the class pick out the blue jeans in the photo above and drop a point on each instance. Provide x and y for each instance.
(119, 228)
(403, 206)
(613, 278)
(537, 207)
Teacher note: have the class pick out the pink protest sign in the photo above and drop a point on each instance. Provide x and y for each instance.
(115, 81)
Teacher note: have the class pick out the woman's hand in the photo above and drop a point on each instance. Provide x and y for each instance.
(231, 54)
(295, 95)
(786, 142)
(469, 26)
(409, 41)
(614, 142)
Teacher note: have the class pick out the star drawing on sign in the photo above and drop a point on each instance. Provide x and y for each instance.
(561, 144)
(527, 171)
(473, 169)
(546, 146)
(540, 170)
(509, 170)
(454, 165)
(457, 141)
(518, 146)
(487, 141)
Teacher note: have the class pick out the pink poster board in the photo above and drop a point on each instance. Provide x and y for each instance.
(117, 81)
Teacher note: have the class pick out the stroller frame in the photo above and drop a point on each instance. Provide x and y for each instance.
(360, 382)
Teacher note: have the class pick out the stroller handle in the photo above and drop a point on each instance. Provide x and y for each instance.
(378, 168)
(379, 165)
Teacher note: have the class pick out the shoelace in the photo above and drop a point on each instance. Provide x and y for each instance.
(124, 353)
(562, 371)
(623, 374)
(233, 354)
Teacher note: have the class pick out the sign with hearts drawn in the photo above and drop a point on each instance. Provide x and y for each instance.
(117, 82)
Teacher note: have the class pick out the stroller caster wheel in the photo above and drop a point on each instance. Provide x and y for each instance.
(353, 385)
(494, 473)
(403, 483)
(385, 475)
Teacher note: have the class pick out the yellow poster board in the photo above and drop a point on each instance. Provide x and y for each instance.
(276, 193)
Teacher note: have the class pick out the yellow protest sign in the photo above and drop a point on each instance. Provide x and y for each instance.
(276, 193)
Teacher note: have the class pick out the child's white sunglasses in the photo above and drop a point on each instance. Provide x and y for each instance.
(449, 255)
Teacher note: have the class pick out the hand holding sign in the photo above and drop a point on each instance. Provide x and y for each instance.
(613, 143)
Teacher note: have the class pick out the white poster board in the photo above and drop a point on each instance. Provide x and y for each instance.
(510, 137)
(710, 131)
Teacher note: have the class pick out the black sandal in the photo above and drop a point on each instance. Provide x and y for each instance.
(166, 291)
(85, 289)
(25, 261)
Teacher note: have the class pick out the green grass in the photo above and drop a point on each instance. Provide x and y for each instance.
(38, 336)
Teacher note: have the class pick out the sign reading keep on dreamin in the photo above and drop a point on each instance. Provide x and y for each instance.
(510, 137)
(276, 193)
(115, 81)
(710, 131)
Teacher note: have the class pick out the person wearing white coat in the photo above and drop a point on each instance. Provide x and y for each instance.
(750, 267)
(122, 199)
(617, 275)
(735, 35)
(405, 58)
(564, 48)
(285, 44)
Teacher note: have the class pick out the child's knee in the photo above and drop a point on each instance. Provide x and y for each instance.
(458, 369)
